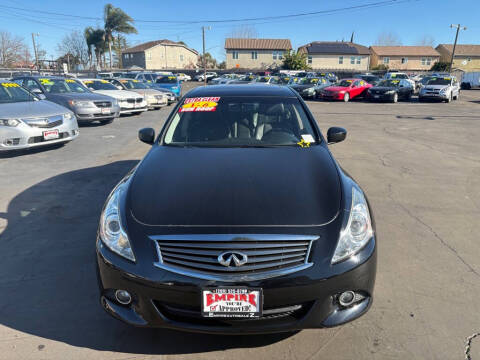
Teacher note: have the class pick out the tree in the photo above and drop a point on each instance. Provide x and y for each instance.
(74, 45)
(116, 22)
(222, 65)
(95, 37)
(426, 40)
(211, 63)
(118, 46)
(244, 32)
(388, 39)
(293, 60)
(441, 66)
(13, 50)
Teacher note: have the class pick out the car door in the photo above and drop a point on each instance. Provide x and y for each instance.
(456, 87)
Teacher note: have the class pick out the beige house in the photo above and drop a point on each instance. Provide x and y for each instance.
(336, 55)
(404, 57)
(467, 57)
(160, 54)
(255, 53)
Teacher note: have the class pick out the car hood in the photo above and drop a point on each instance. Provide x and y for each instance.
(235, 187)
(146, 92)
(435, 87)
(167, 86)
(43, 108)
(118, 94)
(301, 87)
(83, 96)
(337, 88)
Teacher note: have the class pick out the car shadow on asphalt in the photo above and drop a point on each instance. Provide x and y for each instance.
(48, 283)
(34, 150)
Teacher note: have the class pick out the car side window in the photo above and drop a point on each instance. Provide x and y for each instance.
(31, 84)
(356, 83)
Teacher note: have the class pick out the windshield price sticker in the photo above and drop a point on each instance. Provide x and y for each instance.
(171, 78)
(395, 81)
(46, 82)
(88, 82)
(10, 85)
(104, 81)
(232, 302)
(70, 81)
(200, 104)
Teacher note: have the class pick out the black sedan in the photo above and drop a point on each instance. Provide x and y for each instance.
(309, 88)
(238, 220)
(391, 90)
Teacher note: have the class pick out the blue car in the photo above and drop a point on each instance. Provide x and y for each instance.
(171, 83)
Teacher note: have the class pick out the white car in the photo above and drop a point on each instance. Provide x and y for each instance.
(399, 76)
(130, 102)
(183, 77)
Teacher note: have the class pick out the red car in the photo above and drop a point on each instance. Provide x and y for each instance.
(345, 90)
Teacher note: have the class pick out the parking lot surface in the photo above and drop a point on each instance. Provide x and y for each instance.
(419, 164)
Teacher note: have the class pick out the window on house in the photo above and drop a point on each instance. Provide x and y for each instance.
(149, 56)
(310, 59)
(254, 55)
(340, 59)
(359, 60)
(181, 57)
(386, 60)
(235, 55)
(404, 60)
(469, 59)
(277, 55)
(352, 60)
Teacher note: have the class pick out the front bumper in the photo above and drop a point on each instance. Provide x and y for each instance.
(129, 108)
(165, 299)
(332, 96)
(24, 136)
(433, 96)
(87, 114)
(155, 103)
(380, 97)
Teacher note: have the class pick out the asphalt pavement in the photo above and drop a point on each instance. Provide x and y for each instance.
(418, 163)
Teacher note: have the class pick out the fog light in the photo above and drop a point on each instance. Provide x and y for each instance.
(123, 297)
(346, 298)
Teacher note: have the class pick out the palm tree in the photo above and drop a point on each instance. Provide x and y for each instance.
(95, 37)
(116, 21)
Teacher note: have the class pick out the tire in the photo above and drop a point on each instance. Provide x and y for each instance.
(105, 122)
(409, 96)
(346, 97)
(395, 98)
(449, 99)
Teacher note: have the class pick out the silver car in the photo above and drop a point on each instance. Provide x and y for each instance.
(443, 88)
(26, 121)
(86, 105)
(155, 99)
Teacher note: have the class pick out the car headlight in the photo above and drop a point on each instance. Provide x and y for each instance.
(443, 91)
(68, 116)
(112, 233)
(390, 92)
(342, 92)
(81, 103)
(358, 230)
(9, 122)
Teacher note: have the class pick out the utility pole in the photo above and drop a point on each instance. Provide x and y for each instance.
(204, 60)
(458, 27)
(35, 51)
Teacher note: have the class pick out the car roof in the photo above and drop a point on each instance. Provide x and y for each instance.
(42, 77)
(241, 90)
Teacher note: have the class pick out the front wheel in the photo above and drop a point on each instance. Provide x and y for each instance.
(395, 98)
(346, 97)
(449, 99)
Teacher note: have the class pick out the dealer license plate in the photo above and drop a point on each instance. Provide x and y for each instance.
(231, 302)
(376, 96)
(105, 111)
(50, 135)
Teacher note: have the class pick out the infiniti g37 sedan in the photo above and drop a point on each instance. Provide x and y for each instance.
(238, 220)
(27, 121)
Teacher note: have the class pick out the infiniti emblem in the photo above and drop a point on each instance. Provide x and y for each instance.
(228, 257)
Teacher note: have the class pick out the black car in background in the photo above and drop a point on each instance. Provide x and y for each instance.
(371, 79)
(309, 88)
(391, 90)
(238, 220)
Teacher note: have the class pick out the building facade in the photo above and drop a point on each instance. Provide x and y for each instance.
(160, 54)
(255, 53)
(336, 55)
(404, 57)
(467, 57)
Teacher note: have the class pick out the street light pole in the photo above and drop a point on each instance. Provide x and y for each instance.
(35, 51)
(458, 27)
(204, 60)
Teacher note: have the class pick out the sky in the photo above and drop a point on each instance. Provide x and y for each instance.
(410, 20)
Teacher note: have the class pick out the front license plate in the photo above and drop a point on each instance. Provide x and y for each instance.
(232, 302)
(50, 135)
(376, 96)
(106, 111)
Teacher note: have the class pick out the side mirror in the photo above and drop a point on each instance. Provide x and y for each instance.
(147, 135)
(41, 96)
(119, 87)
(336, 134)
(36, 91)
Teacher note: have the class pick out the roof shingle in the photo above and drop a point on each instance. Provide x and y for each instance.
(404, 50)
(462, 50)
(150, 44)
(334, 48)
(258, 44)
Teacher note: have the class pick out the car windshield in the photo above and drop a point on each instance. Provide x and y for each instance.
(369, 78)
(344, 83)
(283, 80)
(99, 85)
(389, 83)
(133, 84)
(130, 75)
(11, 92)
(439, 81)
(167, 80)
(307, 81)
(240, 122)
(61, 86)
(263, 79)
(398, 76)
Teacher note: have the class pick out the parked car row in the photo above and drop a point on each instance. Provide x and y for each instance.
(43, 110)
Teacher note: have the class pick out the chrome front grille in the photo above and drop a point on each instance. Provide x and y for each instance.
(131, 101)
(266, 255)
(139, 100)
(45, 123)
(103, 104)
